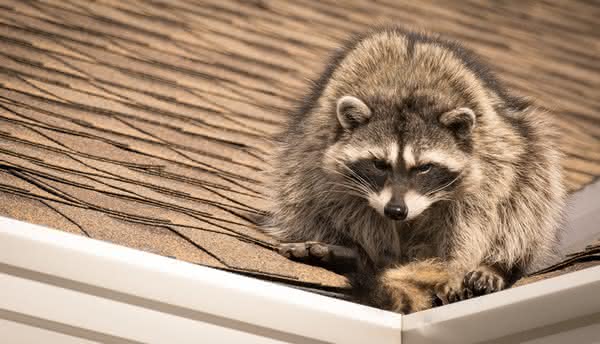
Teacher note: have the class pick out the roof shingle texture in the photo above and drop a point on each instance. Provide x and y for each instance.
(144, 123)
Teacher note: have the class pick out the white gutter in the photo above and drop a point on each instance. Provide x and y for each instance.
(58, 287)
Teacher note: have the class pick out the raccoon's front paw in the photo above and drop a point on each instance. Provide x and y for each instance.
(484, 280)
(334, 257)
(305, 250)
(452, 291)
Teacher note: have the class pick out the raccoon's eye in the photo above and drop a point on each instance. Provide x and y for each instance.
(422, 169)
(381, 165)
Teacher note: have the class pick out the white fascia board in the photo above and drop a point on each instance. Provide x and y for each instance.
(99, 291)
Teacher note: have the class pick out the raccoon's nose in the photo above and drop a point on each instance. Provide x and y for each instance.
(395, 211)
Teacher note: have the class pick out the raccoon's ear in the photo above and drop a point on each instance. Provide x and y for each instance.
(461, 121)
(352, 112)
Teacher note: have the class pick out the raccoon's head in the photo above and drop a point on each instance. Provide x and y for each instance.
(401, 156)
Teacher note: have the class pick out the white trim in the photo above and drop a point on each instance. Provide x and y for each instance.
(71, 288)
(107, 292)
(522, 313)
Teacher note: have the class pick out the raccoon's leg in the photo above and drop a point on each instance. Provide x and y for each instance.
(333, 257)
(411, 287)
(486, 279)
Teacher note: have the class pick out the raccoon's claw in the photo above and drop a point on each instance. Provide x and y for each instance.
(305, 250)
(484, 280)
(452, 292)
(481, 281)
(334, 257)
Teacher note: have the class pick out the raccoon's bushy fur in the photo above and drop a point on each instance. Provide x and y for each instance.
(411, 95)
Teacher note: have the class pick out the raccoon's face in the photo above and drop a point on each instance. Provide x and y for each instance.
(401, 158)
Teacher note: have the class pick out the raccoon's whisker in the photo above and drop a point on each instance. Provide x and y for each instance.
(328, 193)
(357, 185)
(443, 187)
(343, 175)
(357, 180)
(440, 197)
(349, 187)
(360, 179)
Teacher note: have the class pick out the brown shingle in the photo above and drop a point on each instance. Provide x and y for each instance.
(145, 124)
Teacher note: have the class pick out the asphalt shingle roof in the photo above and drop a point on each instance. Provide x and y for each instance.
(144, 123)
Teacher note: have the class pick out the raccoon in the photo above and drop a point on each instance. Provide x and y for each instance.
(413, 170)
